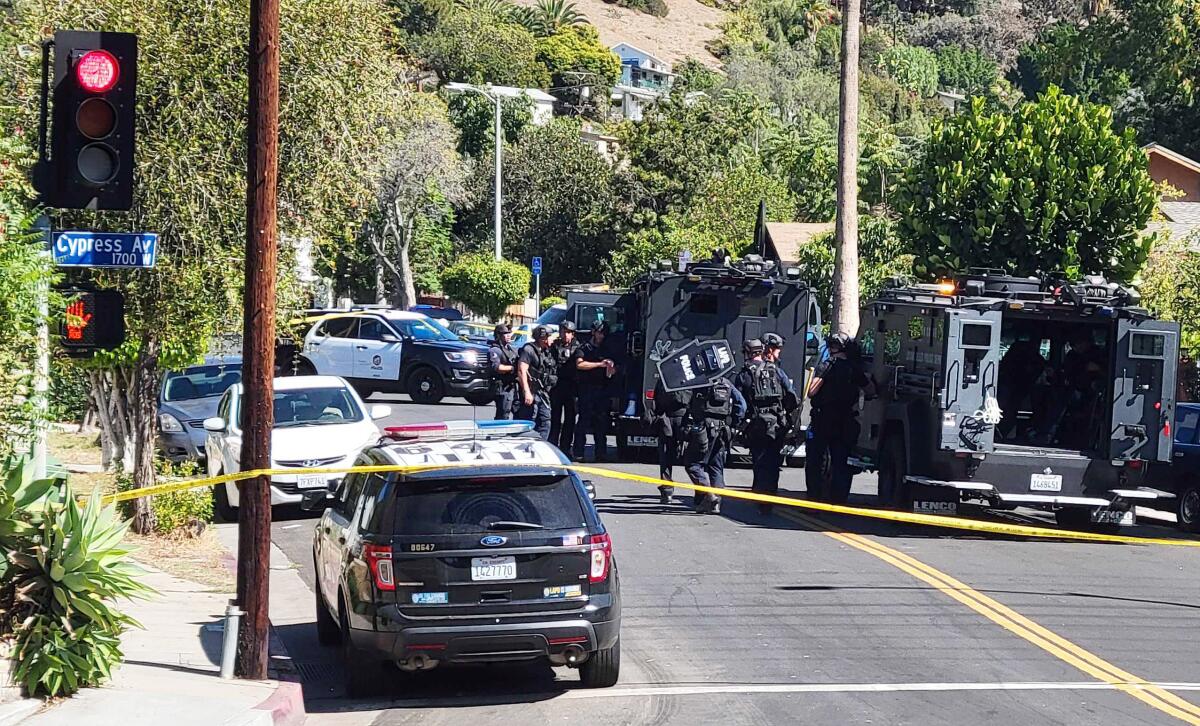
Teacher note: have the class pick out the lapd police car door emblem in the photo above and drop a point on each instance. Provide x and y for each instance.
(377, 361)
(493, 540)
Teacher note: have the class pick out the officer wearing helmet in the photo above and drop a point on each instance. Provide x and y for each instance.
(536, 377)
(770, 399)
(595, 366)
(502, 361)
(833, 429)
(565, 392)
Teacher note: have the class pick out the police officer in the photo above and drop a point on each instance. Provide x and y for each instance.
(833, 428)
(536, 376)
(709, 431)
(565, 391)
(502, 360)
(670, 410)
(595, 367)
(770, 397)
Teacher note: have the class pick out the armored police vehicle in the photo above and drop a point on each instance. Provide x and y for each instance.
(669, 308)
(1007, 392)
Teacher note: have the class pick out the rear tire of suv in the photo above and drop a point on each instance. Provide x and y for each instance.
(328, 630)
(603, 668)
(362, 673)
(425, 386)
(225, 510)
(1187, 508)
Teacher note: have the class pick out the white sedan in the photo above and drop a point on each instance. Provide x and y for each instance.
(320, 421)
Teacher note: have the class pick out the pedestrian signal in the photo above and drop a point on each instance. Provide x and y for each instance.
(92, 320)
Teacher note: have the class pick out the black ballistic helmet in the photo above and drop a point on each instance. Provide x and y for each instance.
(841, 340)
(540, 332)
(568, 326)
(501, 329)
(600, 325)
(771, 340)
(752, 346)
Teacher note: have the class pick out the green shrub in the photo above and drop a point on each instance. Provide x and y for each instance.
(965, 70)
(68, 390)
(485, 285)
(550, 301)
(915, 69)
(182, 512)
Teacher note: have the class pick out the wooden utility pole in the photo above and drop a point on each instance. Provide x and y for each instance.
(258, 360)
(845, 265)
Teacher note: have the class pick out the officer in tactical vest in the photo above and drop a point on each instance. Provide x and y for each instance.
(502, 360)
(536, 376)
(770, 398)
(670, 410)
(563, 396)
(833, 428)
(708, 428)
(595, 366)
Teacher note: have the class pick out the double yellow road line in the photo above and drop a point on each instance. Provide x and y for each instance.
(1016, 623)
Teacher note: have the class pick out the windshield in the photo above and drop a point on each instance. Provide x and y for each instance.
(201, 382)
(428, 329)
(315, 407)
(554, 315)
(477, 506)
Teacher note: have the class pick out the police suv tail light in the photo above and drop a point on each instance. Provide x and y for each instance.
(379, 560)
(601, 554)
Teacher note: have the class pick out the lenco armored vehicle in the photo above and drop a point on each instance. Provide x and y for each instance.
(669, 308)
(1005, 392)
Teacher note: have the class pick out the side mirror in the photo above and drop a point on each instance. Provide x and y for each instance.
(315, 500)
(379, 411)
(388, 338)
(590, 486)
(214, 425)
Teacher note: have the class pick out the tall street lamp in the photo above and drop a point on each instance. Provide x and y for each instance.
(489, 92)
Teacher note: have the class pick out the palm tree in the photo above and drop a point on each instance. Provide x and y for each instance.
(845, 265)
(554, 15)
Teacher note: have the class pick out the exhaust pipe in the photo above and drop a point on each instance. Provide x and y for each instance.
(417, 662)
(574, 655)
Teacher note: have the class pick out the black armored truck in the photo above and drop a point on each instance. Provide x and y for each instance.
(669, 308)
(1000, 392)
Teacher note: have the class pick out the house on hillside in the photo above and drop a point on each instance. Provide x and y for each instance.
(644, 79)
(542, 103)
(785, 239)
(1181, 214)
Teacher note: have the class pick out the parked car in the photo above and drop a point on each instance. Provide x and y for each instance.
(398, 351)
(320, 421)
(433, 311)
(188, 397)
(504, 561)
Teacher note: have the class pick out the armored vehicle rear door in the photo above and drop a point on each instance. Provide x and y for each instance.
(1143, 392)
(970, 366)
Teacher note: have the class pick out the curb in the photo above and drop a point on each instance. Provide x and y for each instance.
(15, 712)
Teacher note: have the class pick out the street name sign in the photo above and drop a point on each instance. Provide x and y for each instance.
(127, 250)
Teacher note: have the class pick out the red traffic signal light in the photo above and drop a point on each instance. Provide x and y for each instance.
(92, 320)
(97, 71)
(91, 150)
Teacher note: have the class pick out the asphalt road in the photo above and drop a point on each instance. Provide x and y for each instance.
(744, 618)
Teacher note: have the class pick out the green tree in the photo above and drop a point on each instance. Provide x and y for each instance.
(724, 210)
(965, 70)
(553, 16)
(473, 115)
(477, 47)
(191, 168)
(485, 285)
(1049, 187)
(806, 155)
(577, 59)
(558, 193)
(1170, 288)
(883, 256)
(913, 68)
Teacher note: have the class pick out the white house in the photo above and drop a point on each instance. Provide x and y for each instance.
(542, 102)
(631, 103)
(640, 69)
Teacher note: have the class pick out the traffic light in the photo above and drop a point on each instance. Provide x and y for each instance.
(93, 320)
(92, 131)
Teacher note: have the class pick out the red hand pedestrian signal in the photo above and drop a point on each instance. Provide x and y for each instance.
(77, 319)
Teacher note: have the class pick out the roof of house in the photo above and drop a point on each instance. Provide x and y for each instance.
(631, 46)
(788, 237)
(1174, 156)
(1181, 221)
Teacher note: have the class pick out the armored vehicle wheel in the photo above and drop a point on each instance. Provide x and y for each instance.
(893, 470)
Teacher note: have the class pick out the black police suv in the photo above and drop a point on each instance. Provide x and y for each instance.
(496, 562)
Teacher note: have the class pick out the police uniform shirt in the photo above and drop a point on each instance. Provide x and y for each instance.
(501, 355)
(564, 358)
(842, 381)
(592, 353)
(537, 361)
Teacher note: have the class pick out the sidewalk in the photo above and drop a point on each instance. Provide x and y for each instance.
(170, 673)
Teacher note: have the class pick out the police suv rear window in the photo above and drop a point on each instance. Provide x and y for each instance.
(474, 506)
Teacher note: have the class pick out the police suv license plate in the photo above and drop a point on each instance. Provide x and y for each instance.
(643, 441)
(1045, 482)
(493, 568)
(311, 481)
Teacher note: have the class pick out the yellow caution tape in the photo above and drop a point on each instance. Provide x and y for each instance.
(930, 520)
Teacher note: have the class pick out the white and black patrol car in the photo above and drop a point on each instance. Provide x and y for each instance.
(499, 557)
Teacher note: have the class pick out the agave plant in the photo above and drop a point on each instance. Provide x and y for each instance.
(66, 581)
(21, 497)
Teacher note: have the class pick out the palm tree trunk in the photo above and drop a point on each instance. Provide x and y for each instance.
(845, 266)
